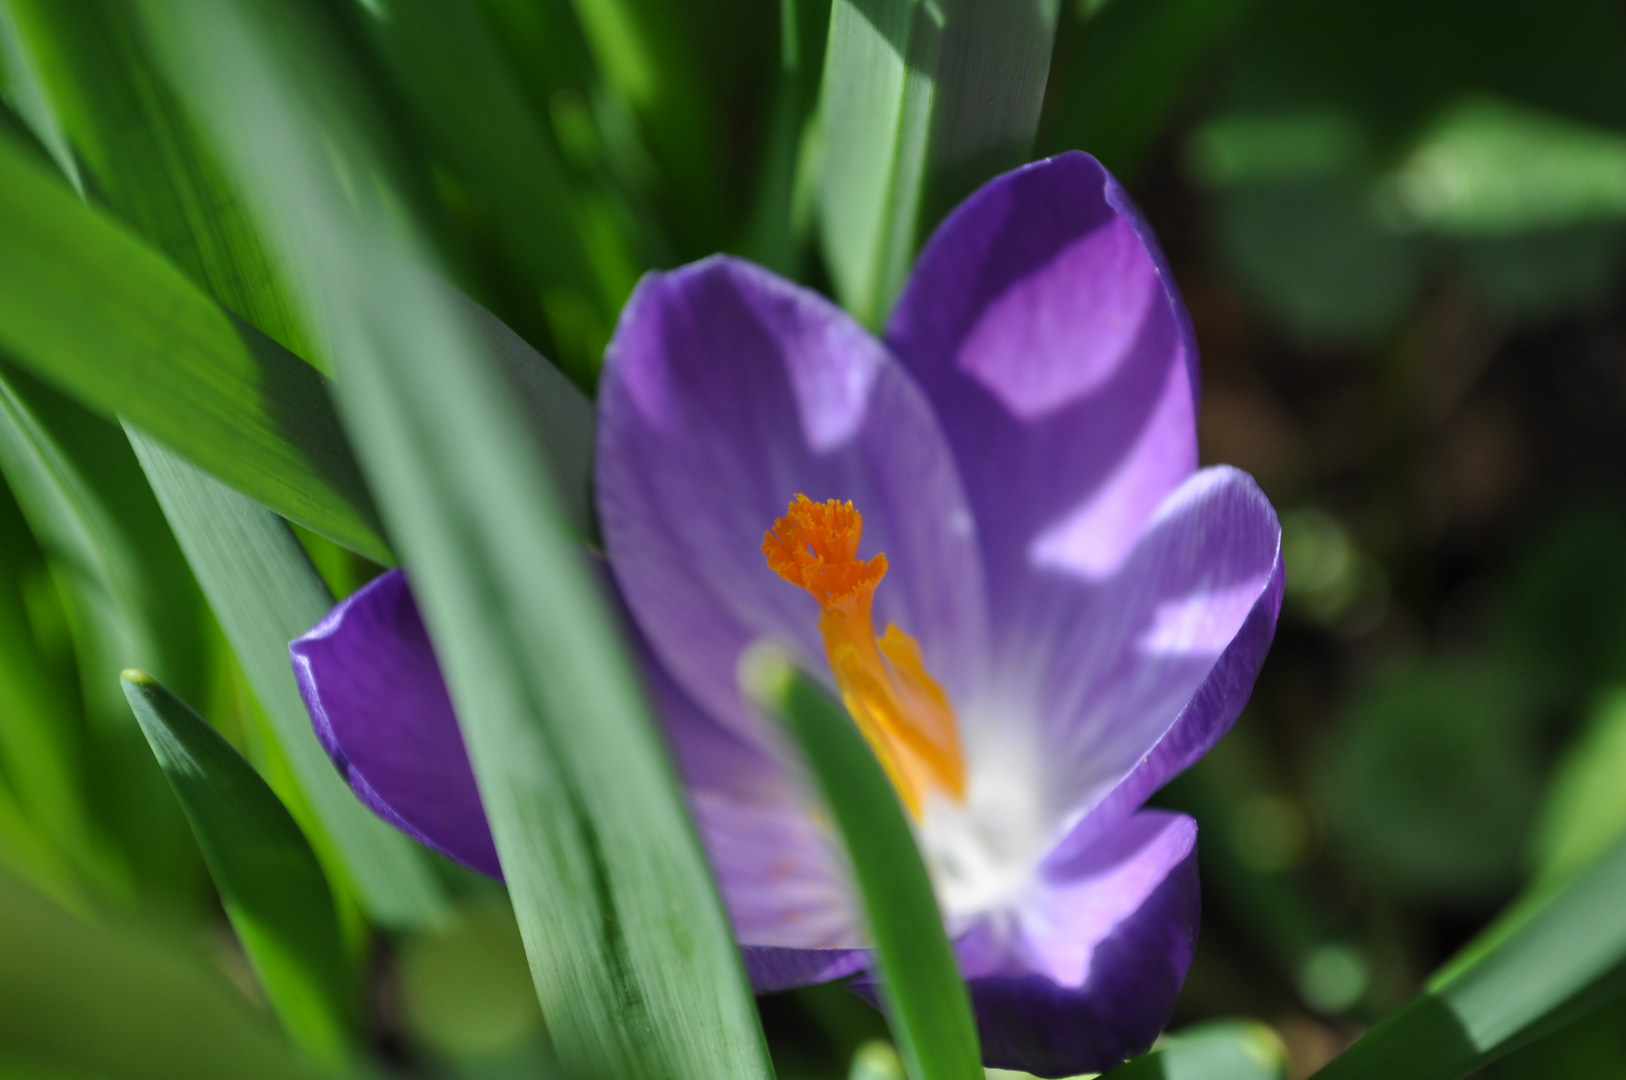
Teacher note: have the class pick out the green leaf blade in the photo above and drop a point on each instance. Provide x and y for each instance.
(629, 947)
(97, 1000)
(926, 1000)
(265, 593)
(1547, 960)
(273, 888)
(92, 309)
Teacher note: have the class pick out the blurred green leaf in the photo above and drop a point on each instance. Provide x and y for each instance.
(922, 102)
(1315, 254)
(1584, 812)
(1548, 959)
(926, 1001)
(560, 418)
(1219, 1050)
(130, 600)
(875, 113)
(265, 593)
(1563, 603)
(1431, 779)
(466, 991)
(88, 306)
(144, 159)
(27, 95)
(629, 948)
(273, 889)
(648, 55)
(1593, 1048)
(1546, 273)
(1493, 167)
(112, 1001)
(1119, 74)
(445, 62)
(41, 742)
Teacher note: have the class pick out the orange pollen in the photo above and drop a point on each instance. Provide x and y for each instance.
(900, 709)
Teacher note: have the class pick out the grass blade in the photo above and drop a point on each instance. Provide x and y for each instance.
(476, 115)
(143, 158)
(101, 1001)
(265, 593)
(129, 599)
(1547, 960)
(628, 944)
(920, 985)
(273, 889)
(923, 100)
(41, 744)
(91, 308)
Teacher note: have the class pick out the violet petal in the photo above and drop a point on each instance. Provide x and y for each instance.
(1042, 322)
(725, 392)
(1132, 661)
(381, 709)
(1086, 971)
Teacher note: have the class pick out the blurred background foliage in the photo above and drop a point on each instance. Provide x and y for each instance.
(1399, 227)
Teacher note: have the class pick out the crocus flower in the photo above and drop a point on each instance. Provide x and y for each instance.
(1034, 604)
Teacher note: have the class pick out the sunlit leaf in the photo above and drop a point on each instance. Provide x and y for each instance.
(1584, 812)
(144, 160)
(89, 307)
(922, 102)
(1546, 960)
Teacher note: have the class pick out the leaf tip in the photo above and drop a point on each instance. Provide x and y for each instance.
(766, 674)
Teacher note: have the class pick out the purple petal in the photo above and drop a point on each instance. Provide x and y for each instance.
(1209, 715)
(782, 874)
(773, 969)
(376, 697)
(379, 705)
(726, 391)
(1085, 970)
(1130, 681)
(1042, 322)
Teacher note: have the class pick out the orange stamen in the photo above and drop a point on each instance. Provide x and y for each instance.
(895, 702)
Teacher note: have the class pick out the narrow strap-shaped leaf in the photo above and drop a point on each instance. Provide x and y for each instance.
(628, 944)
(559, 416)
(271, 885)
(879, 69)
(143, 158)
(448, 67)
(28, 96)
(91, 308)
(129, 598)
(112, 1001)
(1546, 961)
(265, 593)
(922, 101)
(39, 751)
(920, 985)
(81, 490)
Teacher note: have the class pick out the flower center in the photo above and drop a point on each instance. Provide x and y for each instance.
(897, 705)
